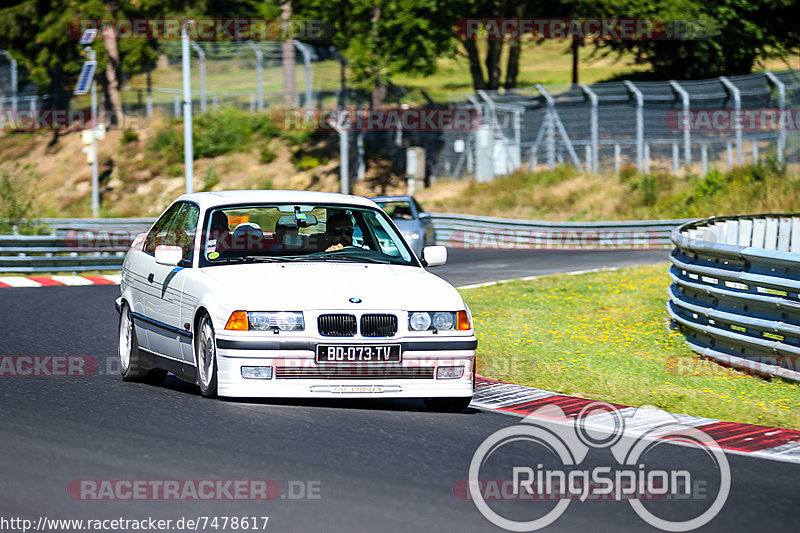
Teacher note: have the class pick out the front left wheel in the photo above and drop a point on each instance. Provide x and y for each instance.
(206, 357)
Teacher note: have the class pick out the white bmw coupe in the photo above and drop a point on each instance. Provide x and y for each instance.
(292, 294)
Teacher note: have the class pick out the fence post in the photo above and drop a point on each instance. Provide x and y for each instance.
(202, 56)
(675, 159)
(307, 56)
(617, 158)
(729, 148)
(639, 124)
(555, 121)
(737, 106)
(647, 158)
(259, 73)
(686, 122)
(14, 80)
(755, 150)
(781, 107)
(593, 131)
(704, 158)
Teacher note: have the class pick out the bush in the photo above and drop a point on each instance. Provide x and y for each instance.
(307, 162)
(17, 199)
(210, 179)
(268, 155)
(129, 136)
(168, 143)
(221, 132)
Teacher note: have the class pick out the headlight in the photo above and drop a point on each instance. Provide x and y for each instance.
(282, 320)
(438, 320)
(266, 321)
(419, 321)
(411, 235)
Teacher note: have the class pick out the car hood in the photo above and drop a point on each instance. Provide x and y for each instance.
(299, 286)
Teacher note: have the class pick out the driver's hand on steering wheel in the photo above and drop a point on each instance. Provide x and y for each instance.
(334, 247)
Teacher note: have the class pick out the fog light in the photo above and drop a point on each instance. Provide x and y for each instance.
(257, 372)
(449, 372)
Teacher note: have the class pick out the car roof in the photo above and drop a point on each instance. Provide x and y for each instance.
(389, 198)
(207, 200)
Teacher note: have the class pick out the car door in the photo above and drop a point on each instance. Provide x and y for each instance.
(163, 302)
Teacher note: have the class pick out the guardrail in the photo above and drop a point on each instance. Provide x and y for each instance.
(736, 291)
(79, 245)
(470, 231)
(73, 245)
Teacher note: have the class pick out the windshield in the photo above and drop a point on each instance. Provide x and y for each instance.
(278, 232)
(397, 209)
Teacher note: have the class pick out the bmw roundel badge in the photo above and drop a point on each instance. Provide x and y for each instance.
(355, 300)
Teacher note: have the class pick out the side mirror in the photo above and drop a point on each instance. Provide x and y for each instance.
(138, 241)
(434, 255)
(424, 214)
(168, 255)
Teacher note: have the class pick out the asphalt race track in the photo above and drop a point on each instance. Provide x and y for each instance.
(369, 466)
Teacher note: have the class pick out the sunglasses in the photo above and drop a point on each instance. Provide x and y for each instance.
(343, 230)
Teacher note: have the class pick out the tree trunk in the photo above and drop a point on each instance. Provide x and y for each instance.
(494, 49)
(379, 88)
(475, 69)
(287, 50)
(113, 70)
(576, 46)
(512, 68)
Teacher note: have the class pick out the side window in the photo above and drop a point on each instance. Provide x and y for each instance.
(183, 230)
(158, 234)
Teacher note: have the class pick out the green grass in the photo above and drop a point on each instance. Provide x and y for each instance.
(605, 336)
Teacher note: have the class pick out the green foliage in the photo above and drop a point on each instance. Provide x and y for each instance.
(17, 201)
(266, 154)
(731, 35)
(303, 161)
(210, 179)
(129, 136)
(168, 144)
(220, 132)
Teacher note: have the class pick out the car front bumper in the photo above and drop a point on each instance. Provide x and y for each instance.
(295, 374)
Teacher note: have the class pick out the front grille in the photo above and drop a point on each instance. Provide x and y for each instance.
(353, 372)
(378, 325)
(336, 325)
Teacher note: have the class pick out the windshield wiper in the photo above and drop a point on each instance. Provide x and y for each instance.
(353, 258)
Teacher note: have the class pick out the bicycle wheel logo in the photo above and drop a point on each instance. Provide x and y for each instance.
(556, 475)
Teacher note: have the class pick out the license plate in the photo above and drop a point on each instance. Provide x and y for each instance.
(358, 353)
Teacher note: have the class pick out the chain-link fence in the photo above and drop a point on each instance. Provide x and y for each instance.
(653, 126)
(675, 127)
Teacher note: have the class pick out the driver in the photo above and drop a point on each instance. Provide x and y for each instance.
(338, 232)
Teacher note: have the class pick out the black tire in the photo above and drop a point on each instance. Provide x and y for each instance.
(205, 355)
(128, 347)
(448, 405)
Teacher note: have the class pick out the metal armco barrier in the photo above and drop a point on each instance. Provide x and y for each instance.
(470, 231)
(736, 291)
(78, 245)
(73, 245)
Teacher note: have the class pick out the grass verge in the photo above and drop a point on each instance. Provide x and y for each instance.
(605, 336)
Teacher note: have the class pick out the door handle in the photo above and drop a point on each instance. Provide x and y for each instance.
(150, 277)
